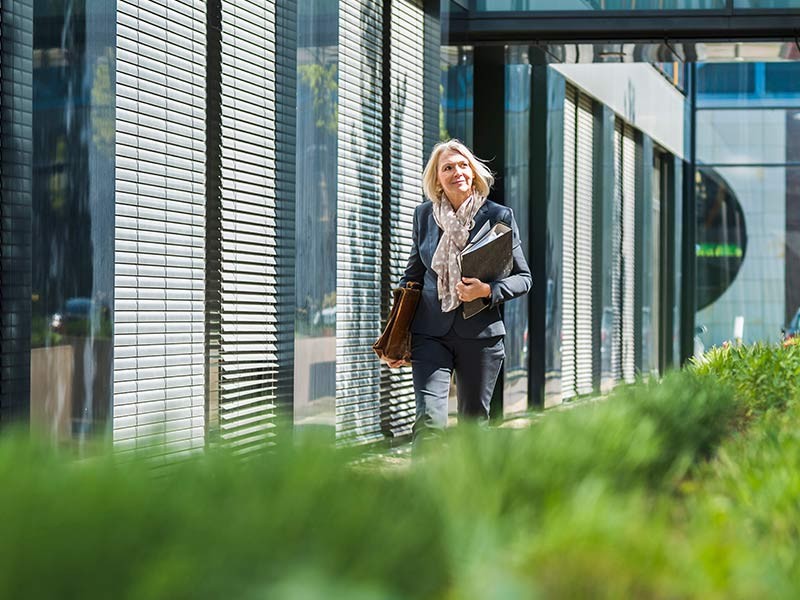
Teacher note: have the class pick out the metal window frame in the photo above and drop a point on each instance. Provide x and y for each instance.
(586, 26)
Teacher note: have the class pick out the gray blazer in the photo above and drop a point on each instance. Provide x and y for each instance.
(429, 318)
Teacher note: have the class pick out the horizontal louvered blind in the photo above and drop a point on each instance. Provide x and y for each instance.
(359, 242)
(584, 342)
(568, 249)
(159, 367)
(628, 252)
(16, 38)
(616, 258)
(407, 132)
(252, 229)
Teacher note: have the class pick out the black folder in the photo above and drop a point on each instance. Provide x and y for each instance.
(488, 258)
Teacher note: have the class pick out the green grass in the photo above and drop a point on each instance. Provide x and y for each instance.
(658, 492)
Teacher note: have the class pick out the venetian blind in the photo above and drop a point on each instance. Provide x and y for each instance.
(359, 205)
(616, 259)
(584, 226)
(159, 327)
(255, 223)
(407, 112)
(568, 248)
(628, 251)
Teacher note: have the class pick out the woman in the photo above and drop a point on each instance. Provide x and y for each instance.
(456, 185)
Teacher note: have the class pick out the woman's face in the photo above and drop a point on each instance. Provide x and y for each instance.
(455, 175)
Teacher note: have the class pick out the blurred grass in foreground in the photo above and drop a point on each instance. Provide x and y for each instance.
(653, 493)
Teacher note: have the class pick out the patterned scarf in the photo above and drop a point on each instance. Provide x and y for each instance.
(455, 226)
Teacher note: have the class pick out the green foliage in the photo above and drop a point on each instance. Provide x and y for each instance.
(763, 376)
(322, 78)
(655, 492)
(291, 524)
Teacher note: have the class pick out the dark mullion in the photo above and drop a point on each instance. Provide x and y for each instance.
(666, 283)
(386, 196)
(213, 294)
(489, 143)
(537, 226)
(603, 26)
(688, 271)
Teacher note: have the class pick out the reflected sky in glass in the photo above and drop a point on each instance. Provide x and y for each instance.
(517, 190)
(747, 140)
(315, 225)
(73, 217)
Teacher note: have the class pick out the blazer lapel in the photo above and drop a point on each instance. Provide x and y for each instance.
(432, 237)
(480, 218)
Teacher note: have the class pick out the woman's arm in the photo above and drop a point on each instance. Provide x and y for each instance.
(518, 283)
(415, 268)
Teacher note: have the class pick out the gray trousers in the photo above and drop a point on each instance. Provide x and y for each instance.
(476, 362)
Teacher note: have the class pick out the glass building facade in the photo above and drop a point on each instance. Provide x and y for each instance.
(747, 254)
(205, 205)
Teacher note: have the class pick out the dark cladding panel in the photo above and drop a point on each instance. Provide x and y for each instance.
(16, 49)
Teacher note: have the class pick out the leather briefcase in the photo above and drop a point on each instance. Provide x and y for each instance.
(395, 341)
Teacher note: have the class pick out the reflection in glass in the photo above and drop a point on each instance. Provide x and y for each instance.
(721, 237)
(782, 78)
(455, 119)
(792, 268)
(556, 89)
(651, 264)
(766, 3)
(741, 136)
(677, 257)
(741, 255)
(517, 190)
(597, 5)
(73, 218)
(747, 245)
(315, 225)
(726, 78)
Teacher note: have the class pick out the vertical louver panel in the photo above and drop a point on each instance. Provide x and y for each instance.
(160, 225)
(628, 252)
(359, 201)
(407, 159)
(255, 225)
(16, 79)
(616, 259)
(584, 343)
(568, 249)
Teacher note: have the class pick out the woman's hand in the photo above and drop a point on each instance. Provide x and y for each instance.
(394, 364)
(469, 289)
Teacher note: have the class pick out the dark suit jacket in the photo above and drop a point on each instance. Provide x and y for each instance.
(429, 318)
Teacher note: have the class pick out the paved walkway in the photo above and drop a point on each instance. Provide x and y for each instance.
(399, 457)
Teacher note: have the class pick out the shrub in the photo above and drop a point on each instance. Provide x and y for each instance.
(297, 521)
(763, 376)
(594, 501)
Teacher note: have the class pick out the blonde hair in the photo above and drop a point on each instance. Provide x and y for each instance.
(482, 177)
